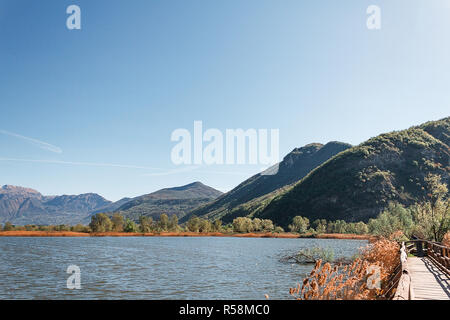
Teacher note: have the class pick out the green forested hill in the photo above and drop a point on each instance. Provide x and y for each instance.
(358, 183)
(257, 190)
(171, 201)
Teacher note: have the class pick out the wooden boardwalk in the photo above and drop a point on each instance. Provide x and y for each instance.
(428, 282)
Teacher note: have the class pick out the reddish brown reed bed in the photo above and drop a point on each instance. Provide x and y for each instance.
(356, 281)
(42, 234)
(446, 240)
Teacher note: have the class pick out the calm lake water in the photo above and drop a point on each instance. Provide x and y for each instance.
(155, 268)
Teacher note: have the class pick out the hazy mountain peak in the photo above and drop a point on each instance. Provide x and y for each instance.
(337, 144)
(191, 190)
(196, 184)
(10, 189)
(315, 152)
(21, 205)
(309, 148)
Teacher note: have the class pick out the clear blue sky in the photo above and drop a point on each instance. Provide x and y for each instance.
(74, 104)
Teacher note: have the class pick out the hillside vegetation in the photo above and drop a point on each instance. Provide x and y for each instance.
(360, 182)
(260, 188)
(171, 201)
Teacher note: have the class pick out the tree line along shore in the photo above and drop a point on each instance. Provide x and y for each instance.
(406, 222)
(116, 226)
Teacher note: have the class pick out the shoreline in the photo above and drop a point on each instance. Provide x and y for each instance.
(284, 235)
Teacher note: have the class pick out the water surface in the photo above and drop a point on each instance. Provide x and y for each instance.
(155, 267)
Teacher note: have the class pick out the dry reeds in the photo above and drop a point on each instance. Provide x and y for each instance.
(355, 281)
(446, 239)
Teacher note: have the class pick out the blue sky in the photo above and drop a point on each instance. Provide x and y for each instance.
(92, 110)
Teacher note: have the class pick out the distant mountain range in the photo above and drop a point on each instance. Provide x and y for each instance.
(331, 181)
(21, 206)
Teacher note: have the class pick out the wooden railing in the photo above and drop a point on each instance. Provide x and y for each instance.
(436, 252)
(398, 287)
(404, 288)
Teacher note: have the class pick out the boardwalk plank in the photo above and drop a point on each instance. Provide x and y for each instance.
(427, 281)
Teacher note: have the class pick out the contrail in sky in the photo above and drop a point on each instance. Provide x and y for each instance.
(90, 164)
(38, 143)
(127, 166)
(192, 168)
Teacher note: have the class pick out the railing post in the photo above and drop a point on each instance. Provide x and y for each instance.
(446, 257)
(403, 254)
(419, 248)
(404, 291)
